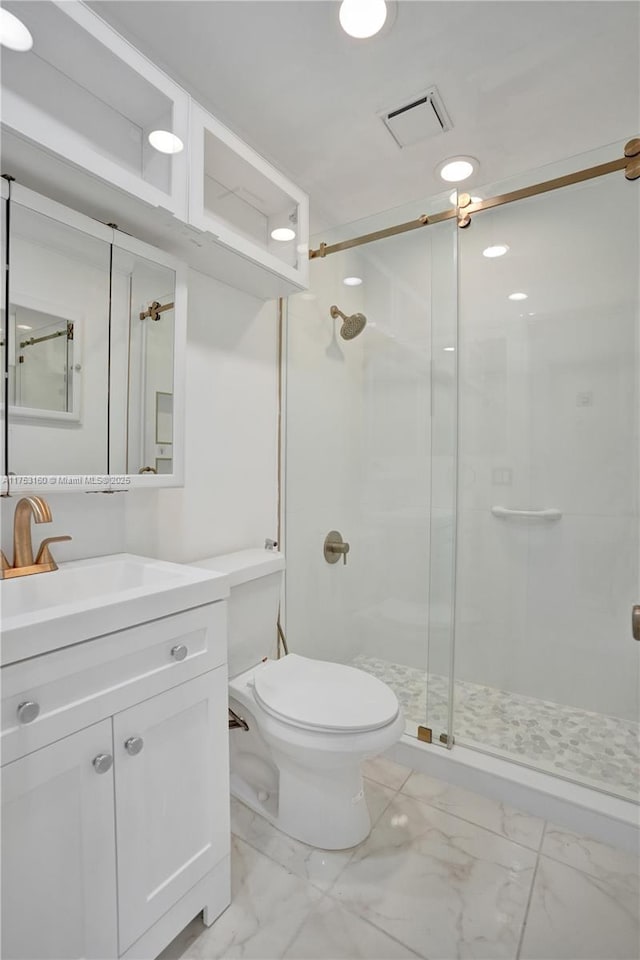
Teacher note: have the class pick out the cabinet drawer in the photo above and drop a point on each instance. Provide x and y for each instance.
(81, 684)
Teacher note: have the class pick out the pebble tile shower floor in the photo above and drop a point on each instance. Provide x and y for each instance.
(444, 874)
(596, 750)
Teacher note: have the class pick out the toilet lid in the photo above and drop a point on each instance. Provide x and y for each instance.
(324, 696)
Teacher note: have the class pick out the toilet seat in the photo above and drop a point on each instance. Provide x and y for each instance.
(323, 696)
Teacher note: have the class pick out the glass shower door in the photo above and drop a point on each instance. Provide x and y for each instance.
(548, 536)
(359, 444)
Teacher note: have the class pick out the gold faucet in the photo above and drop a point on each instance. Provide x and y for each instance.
(23, 562)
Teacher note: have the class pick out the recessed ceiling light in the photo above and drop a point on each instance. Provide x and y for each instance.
(498, 250)
(13, 33)
(283, 234)
(352, 281)
(23, 326)
(456, 169)
(362, 18)
(518, 296)
(165, 142)
(449, 349)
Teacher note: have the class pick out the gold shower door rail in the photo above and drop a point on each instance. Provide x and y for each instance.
(630, 163)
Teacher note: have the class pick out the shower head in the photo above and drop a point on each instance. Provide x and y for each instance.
(351, 326)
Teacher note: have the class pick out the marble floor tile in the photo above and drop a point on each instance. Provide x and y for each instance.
(378, 798)
(574, 916)
(444, 887)
(320, 867)
(333, 933)
(593, 857)
(385, 771)
(507, 821)
(268, 907)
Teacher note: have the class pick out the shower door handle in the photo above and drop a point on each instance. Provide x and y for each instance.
(635, 621)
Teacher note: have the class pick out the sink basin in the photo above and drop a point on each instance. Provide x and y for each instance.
(89, 598)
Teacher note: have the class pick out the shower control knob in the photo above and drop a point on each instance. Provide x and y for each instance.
(335, 547)
(179, 652)
(134, 745)
(28, 711)
(102, 763)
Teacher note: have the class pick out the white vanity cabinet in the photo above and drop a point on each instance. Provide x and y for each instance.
(115, 804)
(58, 850)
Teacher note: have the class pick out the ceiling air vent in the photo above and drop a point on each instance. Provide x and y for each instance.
(421, 117)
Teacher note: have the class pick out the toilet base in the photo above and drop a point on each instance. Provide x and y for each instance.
(306, 783)
(309, 820)
(326, 809)
(323, 808)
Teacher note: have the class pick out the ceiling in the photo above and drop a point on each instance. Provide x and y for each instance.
(524, 83)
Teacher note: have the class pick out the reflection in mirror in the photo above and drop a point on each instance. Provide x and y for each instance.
(143, 296)
(58, 340)
(41, 365)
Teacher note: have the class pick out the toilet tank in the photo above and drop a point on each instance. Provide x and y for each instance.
(255, 581)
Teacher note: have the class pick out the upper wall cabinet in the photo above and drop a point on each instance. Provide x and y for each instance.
(88, 96)
(245, 203)
(77, 113)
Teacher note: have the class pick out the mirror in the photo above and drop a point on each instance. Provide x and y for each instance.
(143, 332)
(57, 346)
(95, 334)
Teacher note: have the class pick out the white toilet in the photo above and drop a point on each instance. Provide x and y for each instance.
(311, 723)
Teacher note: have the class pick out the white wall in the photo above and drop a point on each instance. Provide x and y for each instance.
(229, 498)
(230, 493)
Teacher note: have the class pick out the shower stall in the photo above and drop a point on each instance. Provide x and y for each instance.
(477, 444)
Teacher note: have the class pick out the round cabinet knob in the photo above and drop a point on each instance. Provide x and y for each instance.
(103, 762)
(133, 745)
(28, 711)
(179, 652)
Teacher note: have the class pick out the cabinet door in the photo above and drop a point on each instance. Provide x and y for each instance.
(58, 851)
(172, 797)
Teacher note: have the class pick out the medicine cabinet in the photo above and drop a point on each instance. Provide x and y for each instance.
(93, 342)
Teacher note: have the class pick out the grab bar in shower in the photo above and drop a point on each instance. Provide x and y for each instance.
(505, 513)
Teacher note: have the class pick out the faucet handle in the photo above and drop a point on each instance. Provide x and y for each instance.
(44, 554)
